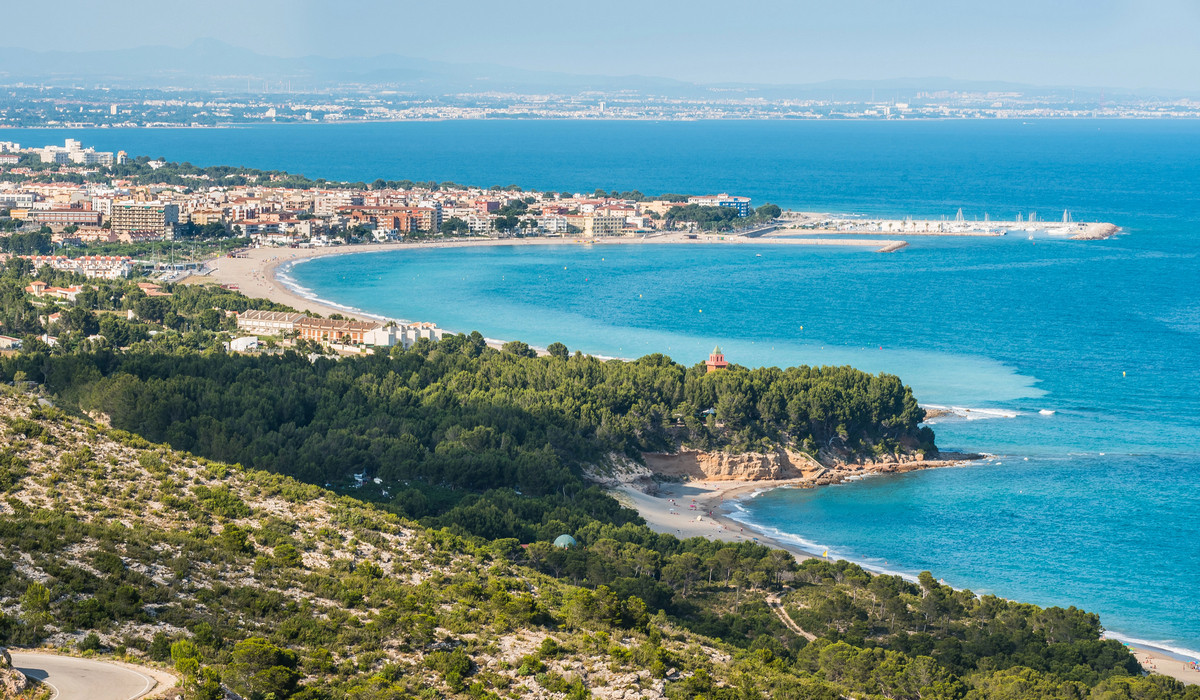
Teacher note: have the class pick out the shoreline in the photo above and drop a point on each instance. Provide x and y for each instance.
(256, 274)
(515, 118)
(670, 512)
(257, 270)
(716, 501)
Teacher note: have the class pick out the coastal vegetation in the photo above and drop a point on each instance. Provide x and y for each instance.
(33, 242)
(709, 218)
(453, 428)
(115, 313)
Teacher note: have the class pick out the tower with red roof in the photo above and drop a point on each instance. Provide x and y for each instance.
(716, 360)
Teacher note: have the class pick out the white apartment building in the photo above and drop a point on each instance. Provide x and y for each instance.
(16, 200)
(268, 322)
(74, 152)
(553, 223)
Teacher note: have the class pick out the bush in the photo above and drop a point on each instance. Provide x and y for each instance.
(90, 643)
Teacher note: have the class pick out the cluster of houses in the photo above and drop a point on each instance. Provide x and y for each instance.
(120, 211)
(41, 289)
(338, 333)
(343, 335)
(94, 266)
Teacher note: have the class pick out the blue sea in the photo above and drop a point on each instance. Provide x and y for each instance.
(1079, 360)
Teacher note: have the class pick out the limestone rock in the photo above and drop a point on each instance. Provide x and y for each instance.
(725, 466)
(12, 681)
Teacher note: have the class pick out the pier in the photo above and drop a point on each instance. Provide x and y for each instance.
(828, 225)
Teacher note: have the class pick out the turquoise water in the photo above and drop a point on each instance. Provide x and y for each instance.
(1095, 504)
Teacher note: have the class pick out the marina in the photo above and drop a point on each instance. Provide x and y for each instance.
(957, 226)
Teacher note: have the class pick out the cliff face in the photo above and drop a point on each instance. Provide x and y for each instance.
(696, 465)
(723, 466)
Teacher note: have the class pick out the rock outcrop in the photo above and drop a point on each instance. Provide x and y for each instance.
(725, 466)
(779, 465)
(12, 681)
(1096, 232)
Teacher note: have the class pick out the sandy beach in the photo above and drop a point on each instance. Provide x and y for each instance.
(254, 274)
(1160, 662)
(699, 509)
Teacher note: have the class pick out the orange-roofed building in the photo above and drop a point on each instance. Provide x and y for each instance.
(716, 360)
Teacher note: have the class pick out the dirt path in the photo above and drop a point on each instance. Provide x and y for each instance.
(777, 607)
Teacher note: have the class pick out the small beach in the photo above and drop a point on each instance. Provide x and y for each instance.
(700, 509)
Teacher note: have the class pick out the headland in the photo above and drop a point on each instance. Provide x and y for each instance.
(693, 494)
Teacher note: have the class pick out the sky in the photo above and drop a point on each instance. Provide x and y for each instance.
(1102, 43)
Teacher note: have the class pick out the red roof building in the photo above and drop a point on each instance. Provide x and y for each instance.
(716, 360)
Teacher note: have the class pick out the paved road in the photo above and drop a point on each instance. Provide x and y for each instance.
(83, 679)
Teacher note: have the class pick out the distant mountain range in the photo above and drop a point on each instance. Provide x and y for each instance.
(213, 65)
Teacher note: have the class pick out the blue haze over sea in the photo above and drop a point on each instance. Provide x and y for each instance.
(1096, 504)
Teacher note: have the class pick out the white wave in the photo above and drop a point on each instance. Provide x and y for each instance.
(282, 276)
(742, 515)
(735, 505)
(1168, 647)
(796, 542)
(860, 477)
(1046, 412)
(974, 413)
(985, 413)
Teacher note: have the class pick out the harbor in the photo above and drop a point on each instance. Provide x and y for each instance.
(959, 225)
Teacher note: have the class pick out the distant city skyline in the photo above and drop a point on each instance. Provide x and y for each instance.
(1105, 43)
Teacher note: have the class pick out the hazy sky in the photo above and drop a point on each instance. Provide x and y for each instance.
(1118, 43)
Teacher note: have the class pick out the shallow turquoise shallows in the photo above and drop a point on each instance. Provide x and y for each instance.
(1086, 354)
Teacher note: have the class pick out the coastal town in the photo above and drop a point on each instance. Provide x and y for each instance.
(74, 193)
(63, 211)
(266, 102)
(109, 216)
(110, 209)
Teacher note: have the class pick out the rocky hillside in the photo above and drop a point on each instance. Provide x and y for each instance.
(110, 543)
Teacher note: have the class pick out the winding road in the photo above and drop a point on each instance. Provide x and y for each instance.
(71, 678)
